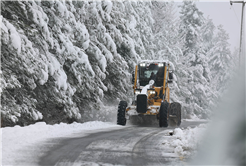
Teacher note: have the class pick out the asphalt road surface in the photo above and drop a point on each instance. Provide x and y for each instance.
(132, 145)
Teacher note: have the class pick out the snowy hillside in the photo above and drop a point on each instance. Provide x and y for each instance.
(60, 58)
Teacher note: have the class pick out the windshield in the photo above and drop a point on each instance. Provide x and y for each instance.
(151, 72)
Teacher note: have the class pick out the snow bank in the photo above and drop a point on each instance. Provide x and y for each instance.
(16, 139)
(186, 141)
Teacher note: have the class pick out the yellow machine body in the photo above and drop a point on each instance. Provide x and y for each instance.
(154, 100)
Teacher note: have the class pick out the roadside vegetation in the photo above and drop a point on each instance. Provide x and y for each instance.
(63, 61)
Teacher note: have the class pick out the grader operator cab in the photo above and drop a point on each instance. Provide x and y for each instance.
(151, 95)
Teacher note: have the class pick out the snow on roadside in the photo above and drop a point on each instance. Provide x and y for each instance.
(186, 141)
(196, 120)
(16, 139)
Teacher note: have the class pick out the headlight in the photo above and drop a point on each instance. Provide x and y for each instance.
(142, 64)
(160, 65)
(137, 92)
(152, 92)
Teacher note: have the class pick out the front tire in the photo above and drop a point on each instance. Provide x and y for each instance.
(121, 116)
(163, 122)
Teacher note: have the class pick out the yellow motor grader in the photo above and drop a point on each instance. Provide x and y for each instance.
(151, 94)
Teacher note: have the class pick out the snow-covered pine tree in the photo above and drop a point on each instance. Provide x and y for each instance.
(191, 21)
(220, 60)
(207, 34)
(60, 58)
(195, 61)
(70, 54)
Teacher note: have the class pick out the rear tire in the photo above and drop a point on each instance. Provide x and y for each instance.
(175, 109)
(163, 122)
(179, 114)
(121, 116)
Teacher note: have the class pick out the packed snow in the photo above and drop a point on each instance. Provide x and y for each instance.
(186, 141)
(19, 143)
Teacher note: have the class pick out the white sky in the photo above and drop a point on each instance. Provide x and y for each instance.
(221, 12)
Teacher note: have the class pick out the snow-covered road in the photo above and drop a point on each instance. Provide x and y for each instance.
(25, 145)
(128, 146)
(98, 143)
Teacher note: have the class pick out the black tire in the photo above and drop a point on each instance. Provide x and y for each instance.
(163, 122)
(179, 113)
(121, 116)
(175, 109)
